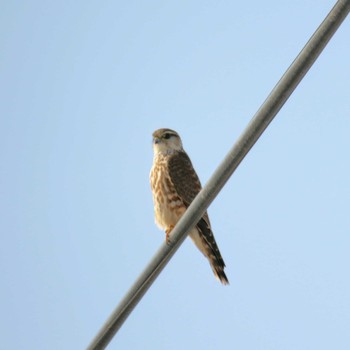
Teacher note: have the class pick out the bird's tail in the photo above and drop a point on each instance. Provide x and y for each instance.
(218, 270)
(204, 239)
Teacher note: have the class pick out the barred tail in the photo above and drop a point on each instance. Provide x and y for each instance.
(218, 270)
(204, 239)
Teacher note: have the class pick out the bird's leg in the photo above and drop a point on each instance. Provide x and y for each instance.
(167, 234)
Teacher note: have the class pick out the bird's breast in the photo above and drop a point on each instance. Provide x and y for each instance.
(168, 205)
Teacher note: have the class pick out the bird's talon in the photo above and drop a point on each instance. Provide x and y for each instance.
(167, 234)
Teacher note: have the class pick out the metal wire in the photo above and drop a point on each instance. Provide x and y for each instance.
(255, 128)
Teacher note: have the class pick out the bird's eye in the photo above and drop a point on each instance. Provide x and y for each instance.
(167, 136)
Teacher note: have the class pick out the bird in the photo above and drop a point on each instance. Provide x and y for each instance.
(175, 184)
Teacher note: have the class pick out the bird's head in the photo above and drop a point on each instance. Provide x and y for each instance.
(166, 141)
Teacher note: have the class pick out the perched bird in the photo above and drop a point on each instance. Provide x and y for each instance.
(174, 185)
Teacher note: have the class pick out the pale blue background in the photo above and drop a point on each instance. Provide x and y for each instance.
(83, 84)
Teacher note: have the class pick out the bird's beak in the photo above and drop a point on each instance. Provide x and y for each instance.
(156, 140)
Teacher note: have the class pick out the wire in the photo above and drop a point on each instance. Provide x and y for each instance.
(253, 131)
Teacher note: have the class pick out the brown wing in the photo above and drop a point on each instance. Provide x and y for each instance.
(184, 177)
(187, 185)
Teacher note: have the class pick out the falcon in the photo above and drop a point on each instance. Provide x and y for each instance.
(175, 184)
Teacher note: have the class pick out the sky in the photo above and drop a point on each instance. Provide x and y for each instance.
(83, 85)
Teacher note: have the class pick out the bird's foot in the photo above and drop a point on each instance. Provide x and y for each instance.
(167, 234)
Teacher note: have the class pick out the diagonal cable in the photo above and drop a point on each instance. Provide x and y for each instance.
(245, 142)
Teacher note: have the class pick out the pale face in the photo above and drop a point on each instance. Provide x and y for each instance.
(166, 141)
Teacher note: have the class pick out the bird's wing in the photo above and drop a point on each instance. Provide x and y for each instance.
(187, 186)
(184, 177)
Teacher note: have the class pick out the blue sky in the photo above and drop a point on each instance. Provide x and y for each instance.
(83, 86)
